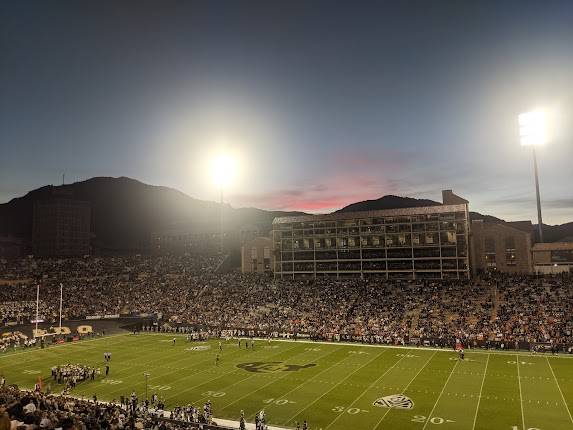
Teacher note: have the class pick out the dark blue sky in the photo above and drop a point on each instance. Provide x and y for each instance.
(326, 103)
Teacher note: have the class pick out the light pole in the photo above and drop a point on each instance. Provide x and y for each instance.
(223, 170)
(146, 374)
(533, 132)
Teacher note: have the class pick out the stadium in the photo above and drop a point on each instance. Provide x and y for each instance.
(286, 215)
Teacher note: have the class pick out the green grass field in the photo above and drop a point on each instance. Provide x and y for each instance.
(336, 389)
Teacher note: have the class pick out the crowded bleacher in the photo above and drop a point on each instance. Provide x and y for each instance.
(186, 291)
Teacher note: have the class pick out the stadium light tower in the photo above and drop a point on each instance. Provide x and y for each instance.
(533, 132)
(223, 168)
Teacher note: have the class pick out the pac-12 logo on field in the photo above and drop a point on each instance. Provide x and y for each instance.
(272, 366)
(199, 348)
(397, 401)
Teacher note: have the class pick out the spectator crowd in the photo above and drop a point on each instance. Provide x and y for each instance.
(186, 290)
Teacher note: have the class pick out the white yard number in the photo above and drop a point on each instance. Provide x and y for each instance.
(433, 420)
(351, 411)
(111, 381)
(357, 352)
(312, 349)
(213, 393)
(160, 387)
(530, 428)
(279, 402)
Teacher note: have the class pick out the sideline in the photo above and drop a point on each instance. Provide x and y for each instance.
(380, 345)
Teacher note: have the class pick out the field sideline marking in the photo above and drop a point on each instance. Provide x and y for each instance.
(364, 392)
(520, 396)
(440, 396)
(283, 395)
(406, 388)
(415, 348)
(480, 391)
(561, 392)
(328, 391)
(272, 381)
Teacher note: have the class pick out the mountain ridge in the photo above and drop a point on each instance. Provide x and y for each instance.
(126, 211)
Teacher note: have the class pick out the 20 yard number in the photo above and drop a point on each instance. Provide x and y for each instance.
(433, 420)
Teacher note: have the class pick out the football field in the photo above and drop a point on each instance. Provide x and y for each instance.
(333, 386)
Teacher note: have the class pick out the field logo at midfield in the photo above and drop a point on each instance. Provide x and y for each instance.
(396, 401)
(272, 366)
(198, 348)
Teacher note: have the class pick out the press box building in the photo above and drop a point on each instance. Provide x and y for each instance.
(410, 243)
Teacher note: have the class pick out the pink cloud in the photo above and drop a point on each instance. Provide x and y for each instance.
(317, 198)
(342, 178)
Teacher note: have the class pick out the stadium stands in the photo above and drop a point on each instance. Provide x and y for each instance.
(185, 292)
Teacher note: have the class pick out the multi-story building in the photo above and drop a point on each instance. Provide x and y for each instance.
(501, 246)
(11, 247)
(552, 258)
(256, 256)
(61, 227)
(410, 243)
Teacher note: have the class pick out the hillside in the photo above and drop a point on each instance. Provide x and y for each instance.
(126, 211)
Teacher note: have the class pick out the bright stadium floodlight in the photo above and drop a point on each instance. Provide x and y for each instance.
(223, 169)
(533, 128)
(533, 132)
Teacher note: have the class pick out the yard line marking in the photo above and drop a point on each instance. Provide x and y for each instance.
(440, 396)
(406, 387)
(364, 392)
(520, 396)
(321, 372)
(336, 385)
(234, 369)
(480, 391)
(561, 392)
(272, 381)
(151, 364)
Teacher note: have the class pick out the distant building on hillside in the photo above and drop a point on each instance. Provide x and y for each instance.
(11, 247)
(186, 241)
(256, 256)
(501, 246)
(61, 228)
(409, 243)
(552, 258)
